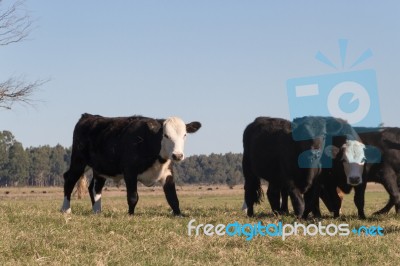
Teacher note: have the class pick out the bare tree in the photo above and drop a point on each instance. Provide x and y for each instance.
(17, 90)
(15, 26)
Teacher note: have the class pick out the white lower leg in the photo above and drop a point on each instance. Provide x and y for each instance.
(97, 203)
(66, 207)
(244, 206)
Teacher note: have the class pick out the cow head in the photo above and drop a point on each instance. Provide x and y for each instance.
(174, 136)
(309, 136)
(310, 133)
(352, 156)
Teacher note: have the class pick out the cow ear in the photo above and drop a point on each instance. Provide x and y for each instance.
(153, 125)
(331, 151)
(372, 154)
(193, 127)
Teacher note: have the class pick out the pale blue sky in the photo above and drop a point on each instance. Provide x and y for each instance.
(219, 62)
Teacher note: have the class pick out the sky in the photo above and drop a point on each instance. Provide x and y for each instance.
(222, 63)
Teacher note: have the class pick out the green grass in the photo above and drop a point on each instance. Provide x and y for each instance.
(33, 232)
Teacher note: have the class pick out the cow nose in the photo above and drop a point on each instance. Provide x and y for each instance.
(354, 180)
(177, 156)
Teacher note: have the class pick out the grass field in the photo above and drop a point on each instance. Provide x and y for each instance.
(34, 232)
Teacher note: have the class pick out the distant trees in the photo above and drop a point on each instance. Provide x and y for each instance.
(45, 166)
(210, 169)
(18, 164)
(34, 166)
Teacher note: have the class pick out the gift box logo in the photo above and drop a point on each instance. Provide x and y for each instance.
(350, 95)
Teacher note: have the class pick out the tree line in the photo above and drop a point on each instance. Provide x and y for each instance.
(45, 166)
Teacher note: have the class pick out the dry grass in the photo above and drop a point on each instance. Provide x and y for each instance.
(34, 232)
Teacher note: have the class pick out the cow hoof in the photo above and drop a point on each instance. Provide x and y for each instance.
(250, 212)
(362, 217)
(66, 211)
(379, 213)
(176, 213)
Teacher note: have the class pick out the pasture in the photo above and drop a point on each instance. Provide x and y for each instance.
(34, 232)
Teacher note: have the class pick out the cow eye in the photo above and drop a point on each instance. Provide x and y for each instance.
(166, 136)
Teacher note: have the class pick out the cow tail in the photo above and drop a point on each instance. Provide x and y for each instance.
(81, 187)
(260, 193)
(252, 183)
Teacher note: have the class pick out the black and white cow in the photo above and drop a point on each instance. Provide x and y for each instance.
(288, 155)
(345, 156)
(382, 166)
(344, 151)
(133, 148)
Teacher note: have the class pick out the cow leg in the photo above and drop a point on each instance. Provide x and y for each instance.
(252, 187)
(77, 168)
(389, 181)
(331, 199)
(284, 202)
(131, 189)
(90, 189)
(98, 184)
(248, 199)
(359, 199)
(170, 194)
(297, 201)
(385, 209)
(273, 195)
(311, 201)
(316, 207)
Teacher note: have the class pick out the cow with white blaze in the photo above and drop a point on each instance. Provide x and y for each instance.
(133, 148)
(345, 157)
(288, 156)
(382, 165)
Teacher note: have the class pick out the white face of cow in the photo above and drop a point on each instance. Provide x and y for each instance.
(174, 136)
(353, 159)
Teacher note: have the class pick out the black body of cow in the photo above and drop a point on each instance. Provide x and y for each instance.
(387, 141)
(118, 147)
(327, 181)
(271, 153)
(336, 132)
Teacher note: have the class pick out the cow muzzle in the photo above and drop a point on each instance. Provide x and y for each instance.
(354, 180)
(177, 157)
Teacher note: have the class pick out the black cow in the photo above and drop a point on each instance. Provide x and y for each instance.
(133, 148)
(384, 148)
(272, 153)
(345, 157)
(346, 142)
